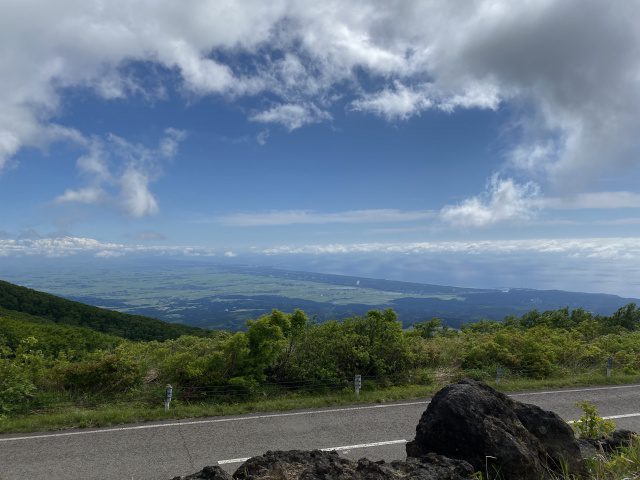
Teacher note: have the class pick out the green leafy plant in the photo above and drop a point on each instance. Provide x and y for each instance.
(591, 425)
(15, 386)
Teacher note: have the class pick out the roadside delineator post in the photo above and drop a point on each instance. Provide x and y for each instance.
(499, 373)
(357, 384)
(168, 394)
(609, 367)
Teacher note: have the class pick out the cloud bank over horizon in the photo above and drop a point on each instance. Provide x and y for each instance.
(600, 265)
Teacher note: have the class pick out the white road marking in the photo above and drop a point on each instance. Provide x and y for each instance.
(626, 415)
(363, 445)
(289, 414)
(213, 420)
(329, 449)
(233, 460)
(574, 390)
(612, 417)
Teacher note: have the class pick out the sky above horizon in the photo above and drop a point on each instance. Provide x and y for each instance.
(391, 136)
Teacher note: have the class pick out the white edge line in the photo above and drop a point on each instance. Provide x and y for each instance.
(330, 449)
(290, 414)
(574, 390)
(233, 460)
(626, 415)
(214, 420)
(363, 445)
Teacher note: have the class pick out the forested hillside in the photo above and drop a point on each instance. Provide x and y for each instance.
(44, 364)
(62, 311)
(53, 338)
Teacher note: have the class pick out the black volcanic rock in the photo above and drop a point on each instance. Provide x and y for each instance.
(207, 473)
(471, 421)
(319, 465)
(618, 439)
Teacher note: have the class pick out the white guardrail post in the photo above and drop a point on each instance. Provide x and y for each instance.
(168, 394)
(357, 384)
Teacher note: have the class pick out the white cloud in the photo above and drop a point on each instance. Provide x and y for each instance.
(600, 248)
(109, 254)
(504, 200)
(574, 64)
(292, 116)
(120, 173)
(168, 147)
(70, 246)
(587, 248)
(137, 200)
(91, 194)
(262, 137)
(402, 102)
(298, 217)
(397, 103)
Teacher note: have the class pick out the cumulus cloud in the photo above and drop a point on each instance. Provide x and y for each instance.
(397, 103)
(572, 65)
(402, 102)
(298, 217)
(504, 200)
(120, 173)
(292, 116)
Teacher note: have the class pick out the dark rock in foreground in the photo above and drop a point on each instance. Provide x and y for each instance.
(618, 439)
(319, 465)
(469, 420)
(207, 473)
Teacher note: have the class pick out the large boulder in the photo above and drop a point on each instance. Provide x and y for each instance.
(497, 435)
(319, 465)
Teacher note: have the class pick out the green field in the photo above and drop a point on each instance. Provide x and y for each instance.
(214, 296)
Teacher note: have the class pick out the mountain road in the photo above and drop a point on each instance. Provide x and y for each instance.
(167, 449)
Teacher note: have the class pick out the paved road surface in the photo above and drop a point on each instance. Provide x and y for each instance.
(163, 450)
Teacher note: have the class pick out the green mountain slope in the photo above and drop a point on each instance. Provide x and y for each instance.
(67, 312)
(52, 337)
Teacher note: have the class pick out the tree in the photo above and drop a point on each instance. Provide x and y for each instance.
(429, 328)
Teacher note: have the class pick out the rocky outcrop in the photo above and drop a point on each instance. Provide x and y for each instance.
(319, 465)
(469, 420)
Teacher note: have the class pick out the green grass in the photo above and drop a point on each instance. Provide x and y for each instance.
(117, 413)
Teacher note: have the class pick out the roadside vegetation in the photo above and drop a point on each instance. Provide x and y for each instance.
(55, 376)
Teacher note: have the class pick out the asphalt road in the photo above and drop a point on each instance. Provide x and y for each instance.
(163, 450)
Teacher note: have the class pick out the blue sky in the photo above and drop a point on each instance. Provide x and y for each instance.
(328, 136)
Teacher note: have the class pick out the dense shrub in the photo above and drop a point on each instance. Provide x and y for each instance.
(283, 352)
(16, 386)
(101, 372)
